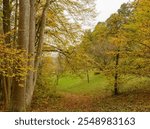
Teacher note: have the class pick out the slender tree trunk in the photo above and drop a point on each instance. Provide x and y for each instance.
(116, 74)
(6, 19)
(18, 102)
(87, 76)
(57, 79)
(6, 100)
(41, 39)
(31, 52)
(6, 29)
(15, 25)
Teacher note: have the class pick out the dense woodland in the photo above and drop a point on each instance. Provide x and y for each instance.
(50, 62)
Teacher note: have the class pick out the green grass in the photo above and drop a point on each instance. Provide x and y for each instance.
(76, 94)
(100, 84)
(74, 84)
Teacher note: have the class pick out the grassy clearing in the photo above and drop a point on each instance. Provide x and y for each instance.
(74, 84)
(99, 83)
(76, 94)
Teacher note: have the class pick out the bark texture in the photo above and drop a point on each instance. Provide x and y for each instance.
(18, 103)
(31, 53)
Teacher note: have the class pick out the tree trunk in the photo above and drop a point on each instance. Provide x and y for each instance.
(57, 79)
(6, 19)
(15, 25)
(87, 75)
(41, 39)
(6, 29)
(18, 102)
(5, 93)
(116, 74)
(31, 52)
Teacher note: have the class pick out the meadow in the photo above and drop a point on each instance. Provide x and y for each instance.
(74, 93)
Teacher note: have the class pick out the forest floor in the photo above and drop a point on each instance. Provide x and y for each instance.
(133, 101)
(96, 97)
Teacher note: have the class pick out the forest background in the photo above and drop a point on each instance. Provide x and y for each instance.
(48, 62)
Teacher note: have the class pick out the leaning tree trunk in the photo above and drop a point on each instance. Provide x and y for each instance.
(31, 53)
(35, 59)
(116, 74)
(41, 39)
(18, 102)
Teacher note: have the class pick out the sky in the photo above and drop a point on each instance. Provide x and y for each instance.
(106, 7)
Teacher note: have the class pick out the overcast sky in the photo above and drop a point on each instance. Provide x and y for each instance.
(106, 7)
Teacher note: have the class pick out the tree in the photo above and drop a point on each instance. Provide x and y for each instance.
(137, 33)
(31, 52)
(107, 44)
(18, 102)
(28, 39)
(6, 30)
(117, 38)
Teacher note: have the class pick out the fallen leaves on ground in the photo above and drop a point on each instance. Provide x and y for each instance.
(137, 100)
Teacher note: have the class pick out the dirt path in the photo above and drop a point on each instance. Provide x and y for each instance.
(67, 102)
(77, 102)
